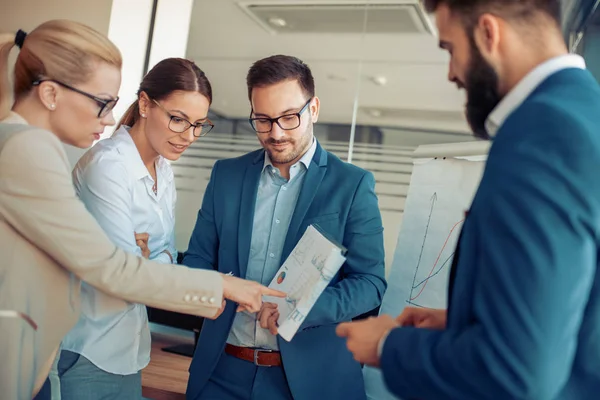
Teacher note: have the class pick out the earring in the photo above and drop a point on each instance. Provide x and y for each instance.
(143, 115)
(52, 106)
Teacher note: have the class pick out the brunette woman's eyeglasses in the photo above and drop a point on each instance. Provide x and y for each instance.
(180, 124)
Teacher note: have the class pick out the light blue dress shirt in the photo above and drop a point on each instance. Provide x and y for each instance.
(116, 188)
(275, 203)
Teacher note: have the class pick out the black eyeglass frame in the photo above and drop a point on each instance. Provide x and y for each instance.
(202, 125)
(102, 103)
(276, 120)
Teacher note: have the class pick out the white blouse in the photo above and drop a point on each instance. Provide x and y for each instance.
(116, 188)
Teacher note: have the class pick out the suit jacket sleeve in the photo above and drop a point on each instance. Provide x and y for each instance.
(38, 199)
(536, 260)
(203, 248)
(363, 283)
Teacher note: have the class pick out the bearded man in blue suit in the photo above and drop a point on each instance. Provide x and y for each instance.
(255, 210)
(523, 318)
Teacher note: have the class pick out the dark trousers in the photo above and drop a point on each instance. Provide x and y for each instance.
(236, 379)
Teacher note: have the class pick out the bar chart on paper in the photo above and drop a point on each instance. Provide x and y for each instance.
(440, 192)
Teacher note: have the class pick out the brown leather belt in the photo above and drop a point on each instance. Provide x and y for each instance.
(260, 358)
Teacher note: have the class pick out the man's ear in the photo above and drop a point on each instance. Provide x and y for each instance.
(487, 35)
(314, 107)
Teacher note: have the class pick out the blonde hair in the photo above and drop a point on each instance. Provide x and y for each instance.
(59, 49)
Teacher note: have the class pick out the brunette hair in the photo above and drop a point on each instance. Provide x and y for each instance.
(166, 77)
(279, 68)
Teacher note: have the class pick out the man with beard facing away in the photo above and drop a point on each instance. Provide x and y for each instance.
(523, 318)
(255, 210)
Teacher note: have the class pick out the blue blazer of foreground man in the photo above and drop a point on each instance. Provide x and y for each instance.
(523, 318)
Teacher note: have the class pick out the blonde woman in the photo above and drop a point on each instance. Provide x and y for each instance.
(66, 81)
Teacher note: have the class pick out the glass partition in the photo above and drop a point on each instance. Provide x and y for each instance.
(378, 72)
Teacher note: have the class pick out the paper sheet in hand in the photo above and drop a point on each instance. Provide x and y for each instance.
(304, 276)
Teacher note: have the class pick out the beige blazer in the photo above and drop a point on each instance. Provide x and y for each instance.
(48, 242)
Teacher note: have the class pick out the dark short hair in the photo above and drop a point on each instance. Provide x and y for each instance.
(279, 68)
(471, 10)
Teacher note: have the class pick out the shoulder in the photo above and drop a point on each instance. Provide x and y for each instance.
(547, 149)
(32, 146)
(544, 126)
(106, 159)
(102, 164)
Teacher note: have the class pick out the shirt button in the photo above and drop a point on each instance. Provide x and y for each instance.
(277, 221)
(284, 188)
(211, 300)
(194, 298)
(271, 255)
(187, 297)
(204, 299)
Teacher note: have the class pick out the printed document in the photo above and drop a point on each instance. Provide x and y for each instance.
(304, 276)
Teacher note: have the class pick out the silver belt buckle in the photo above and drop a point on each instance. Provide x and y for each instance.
(256, 352)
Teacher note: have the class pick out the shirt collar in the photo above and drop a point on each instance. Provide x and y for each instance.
(526, 86)
(306, 159)
(133, 159)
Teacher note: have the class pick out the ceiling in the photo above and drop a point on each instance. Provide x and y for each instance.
(403, 74)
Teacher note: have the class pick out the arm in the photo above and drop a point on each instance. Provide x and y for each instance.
(363, 283)
(535, 270)
(38, 200)
(104, 189)
(203, 248)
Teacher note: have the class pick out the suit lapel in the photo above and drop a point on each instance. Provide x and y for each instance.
(312, 182)
(249, 191)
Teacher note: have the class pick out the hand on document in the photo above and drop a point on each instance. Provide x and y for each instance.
(363, 337)
(420, 317)
(268, 316)
(248, 294)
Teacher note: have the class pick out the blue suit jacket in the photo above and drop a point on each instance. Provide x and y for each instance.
(339, 197)
(524, 312)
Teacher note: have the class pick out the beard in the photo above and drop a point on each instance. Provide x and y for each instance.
(482, 92)
(297, 147)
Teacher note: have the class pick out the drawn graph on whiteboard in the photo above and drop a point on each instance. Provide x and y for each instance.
(428, 270)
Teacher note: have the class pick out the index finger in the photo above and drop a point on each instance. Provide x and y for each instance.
(272, 292)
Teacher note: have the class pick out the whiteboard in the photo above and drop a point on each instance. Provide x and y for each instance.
(442, 186)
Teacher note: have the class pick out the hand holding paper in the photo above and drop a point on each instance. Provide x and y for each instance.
(268, 316)
(304, 276)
